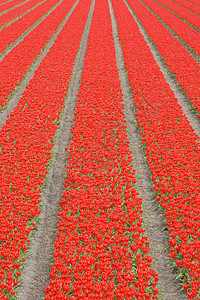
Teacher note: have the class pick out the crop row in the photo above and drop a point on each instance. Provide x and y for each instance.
(196, 2)
(100, 250)
(181, 29)
(12, 33)
(172, 149)
(188, 5)
(7, 6)
(26, 142)
(17, 13)
(183, 13)
(181, 64)
(15, 65)
(22, 15)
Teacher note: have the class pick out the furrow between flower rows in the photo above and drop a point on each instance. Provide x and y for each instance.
(181, 13)
(17, 63)
(16, 14)
(23, 14)
(3, 3)
(25, 148)
(35, 275)
(182, 66)
(182, 30)
(10, 6)
(188, 5)
(101, 251)
(172, 149)
(196, 2)
(12, 33)
(153, 218)
(27, 32)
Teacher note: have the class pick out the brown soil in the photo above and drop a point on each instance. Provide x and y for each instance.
(11, 47)
(35, 276)
(153, 220)
(13, 102)
(184, 44)
(175, 87)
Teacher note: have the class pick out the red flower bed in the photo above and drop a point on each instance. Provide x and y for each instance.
(15, 65)
(172, 149)
(11, 33)
(194, 2)
(182, 12)
(101, 250)
(9, 5)
(183, 30)
(17, 12)
(182, 65)
(26, 141)
(188, 5)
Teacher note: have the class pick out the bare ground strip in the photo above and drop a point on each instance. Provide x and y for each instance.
(21, 16)
(187, 9)
(12, 46)
(5, 2)
(18, 5)
(193, 2)
(181, 18)
(183, 101)
(183, 43)
(35, 276)
(153, 220)
(30, 73)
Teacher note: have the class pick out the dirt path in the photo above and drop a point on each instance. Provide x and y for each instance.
(11, 8)
(195, 56)
(35, 275)
(187, 9)
(29, 75)
(175, 87)
(10, 48)
(152, 218)
(178, 16)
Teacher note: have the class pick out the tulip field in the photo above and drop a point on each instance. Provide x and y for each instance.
(60, 60)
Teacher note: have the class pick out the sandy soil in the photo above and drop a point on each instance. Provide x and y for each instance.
(9, 49)
(35, 275)
(154, 221)
(13, 102)
(195, 56)
(175, 87)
